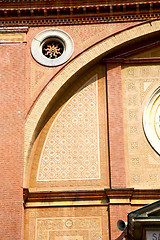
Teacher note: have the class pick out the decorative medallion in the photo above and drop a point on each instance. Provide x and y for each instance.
(69, 223)
(52, 47)
(151, 120)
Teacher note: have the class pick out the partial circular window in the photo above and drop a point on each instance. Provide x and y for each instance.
(52, 47)
(151, 120)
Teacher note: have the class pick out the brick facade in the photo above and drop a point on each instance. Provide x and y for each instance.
(12, 139)
(73, 146)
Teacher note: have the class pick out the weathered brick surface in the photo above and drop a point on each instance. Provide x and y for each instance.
(12, 58)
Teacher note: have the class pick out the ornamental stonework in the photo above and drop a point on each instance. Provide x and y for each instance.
(67, 223)
(71, 148)
(83, 228)
(52, 47)
(142, 160)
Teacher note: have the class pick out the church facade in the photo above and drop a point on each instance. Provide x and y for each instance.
(80, 118)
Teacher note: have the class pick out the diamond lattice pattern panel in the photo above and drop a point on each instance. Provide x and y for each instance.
(71, 148)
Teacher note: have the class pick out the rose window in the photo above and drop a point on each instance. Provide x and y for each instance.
(53, 49)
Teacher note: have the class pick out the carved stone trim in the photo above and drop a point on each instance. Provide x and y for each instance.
(63, 196)
(14, 29)
(104, 195)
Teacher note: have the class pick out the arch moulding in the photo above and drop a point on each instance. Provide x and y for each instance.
(75, 65)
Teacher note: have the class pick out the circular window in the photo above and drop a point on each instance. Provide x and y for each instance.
(151, 120)
(52, 47)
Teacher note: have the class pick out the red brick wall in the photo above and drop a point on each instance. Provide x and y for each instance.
(12, 139)
(115, 117)
(117, 212)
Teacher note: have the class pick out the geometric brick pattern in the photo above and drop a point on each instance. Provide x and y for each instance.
(67, 223)
(143, 161)
(69, 228)
(71, 148)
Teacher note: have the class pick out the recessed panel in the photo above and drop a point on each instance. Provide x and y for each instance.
(71, 149)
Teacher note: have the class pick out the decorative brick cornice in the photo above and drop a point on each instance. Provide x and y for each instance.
(133, 193)
(106, 196)
(119, 193)
(63, 195)
(38, 12)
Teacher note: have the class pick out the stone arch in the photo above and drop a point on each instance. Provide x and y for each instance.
(97, 51)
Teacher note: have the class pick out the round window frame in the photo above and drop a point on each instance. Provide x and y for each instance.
(149, 116)
(40, 40)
